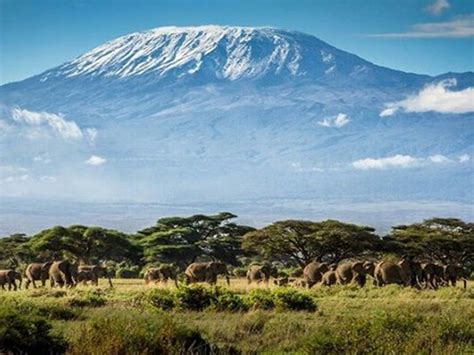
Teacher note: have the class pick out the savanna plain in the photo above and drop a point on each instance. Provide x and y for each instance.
(134, 318)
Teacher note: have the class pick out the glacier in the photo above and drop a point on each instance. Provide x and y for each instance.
(217, 116)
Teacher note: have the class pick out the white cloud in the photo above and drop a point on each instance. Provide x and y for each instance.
(396, 161)
(338, 121)
(405, 161)
(438, 7)
(299, 168)
(458, 27)
(12, 169)
(95, 160)
(66, 129)
(435, 97)
(438, 158)
(464, 158)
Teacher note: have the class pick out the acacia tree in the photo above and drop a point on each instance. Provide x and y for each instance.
(181, 240)
(87, 244)
(445, 240)
(300, 242)
(14, 251)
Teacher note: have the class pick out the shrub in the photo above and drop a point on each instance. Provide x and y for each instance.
(161, 299)
(90, 298)
(261, 299)
(226, 300)
(134, 332)
(291, 299)
(194, 297)
(26, 332)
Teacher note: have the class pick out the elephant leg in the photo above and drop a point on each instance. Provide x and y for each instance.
(311, 283)
(3, 287)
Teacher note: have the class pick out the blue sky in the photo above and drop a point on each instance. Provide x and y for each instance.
(403, 34)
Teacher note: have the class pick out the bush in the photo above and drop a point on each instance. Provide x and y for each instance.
(294, 300)
(90, 298)
(261, 299)
(161, 299)
(134, 332)
(194, 297)
(27, 332)
(226, 300)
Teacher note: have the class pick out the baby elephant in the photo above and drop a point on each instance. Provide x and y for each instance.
(8, 277)
(282, 281)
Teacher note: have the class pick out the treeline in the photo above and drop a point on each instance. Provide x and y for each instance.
(291, 243)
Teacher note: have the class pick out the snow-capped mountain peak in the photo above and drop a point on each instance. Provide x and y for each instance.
(219, 52)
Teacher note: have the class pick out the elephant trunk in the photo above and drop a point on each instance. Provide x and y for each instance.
(227, 278)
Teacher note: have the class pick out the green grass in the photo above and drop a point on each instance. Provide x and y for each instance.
(133, 318)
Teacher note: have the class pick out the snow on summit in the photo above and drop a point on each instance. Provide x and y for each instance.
(223, 52)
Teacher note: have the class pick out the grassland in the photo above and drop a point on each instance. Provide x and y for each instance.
(134, 318)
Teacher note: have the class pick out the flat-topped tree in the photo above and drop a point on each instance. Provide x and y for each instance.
(300, 242)
(444, 240)
(182, 240)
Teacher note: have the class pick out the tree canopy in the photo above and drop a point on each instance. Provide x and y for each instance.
(445, 240)
(182, 240)
(301, 242)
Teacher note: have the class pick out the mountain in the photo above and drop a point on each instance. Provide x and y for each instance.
(218, 114)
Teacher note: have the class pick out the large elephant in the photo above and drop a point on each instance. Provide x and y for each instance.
(63, 273)
(162, 273)
(329, 278)
(369, 267)
(388, 272)
(8, 277)
(453, 272)
(313, 272)
(349, 272)
(259, 273)
(93, 273)
(206, 272)
(432, 275)
(37, 272)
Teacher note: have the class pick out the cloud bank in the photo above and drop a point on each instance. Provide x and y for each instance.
(435, 97)
(458, 27)
(405, 161)
(66, 129)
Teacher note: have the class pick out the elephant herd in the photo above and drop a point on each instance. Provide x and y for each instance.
(195, 272)
(404, 273)
(61, 273)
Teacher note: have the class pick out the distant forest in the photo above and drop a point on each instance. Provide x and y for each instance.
(289, 243)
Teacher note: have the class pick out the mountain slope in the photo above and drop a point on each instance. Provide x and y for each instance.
(216, 113)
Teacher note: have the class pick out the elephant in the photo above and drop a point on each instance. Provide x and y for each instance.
(329, 278)
(8, 277)
(432, 275)
(261, 273)
(37, 272)
(162, 273)
(369, 267)
(313, 272)
(452, 273)
(206, 272)
(388, 272)
(63, 273)
(351, 272)
(92, 273)
(84, 276)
